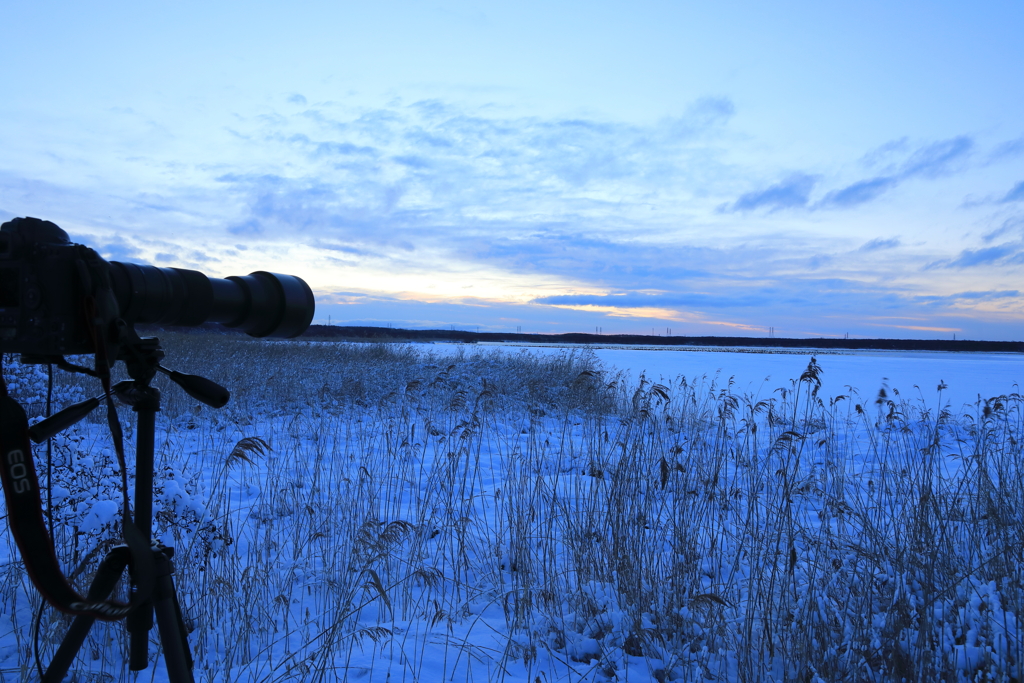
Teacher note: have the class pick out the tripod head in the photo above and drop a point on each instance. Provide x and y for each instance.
(141, 356)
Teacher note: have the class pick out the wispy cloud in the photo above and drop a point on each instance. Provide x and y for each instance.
(113, 248)
(858, 193)
(1006, 227)
(930, 161)
(938, 159)
(1006, 253)
(1007, 150)
(432, 173)
(896, 160)
(1014, 195)
(694, 301)
(1002, 295)
(583, 215)
(824, 295)
(792, 192)
(879, 244)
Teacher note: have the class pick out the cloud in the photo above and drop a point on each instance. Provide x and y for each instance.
(623, 213)
(1014, 195)
(883, 155)
(341, 149)
(879, 244)
(1016, 260)
(343, 248)
(989, 295)
(820, 294)
(115, 249)
(836, 304)
(430, 173)
(413, 161)
(858, 193)
(249, 228)
(970, 296)
(607, 261)
(1008, 149)
(937, 159)
(970, 258)
(112, 248)
(1008, 226)
(297, 99)
(928, 161)
(793, 192)
(684, 301)
(704, 114)
(280, 208)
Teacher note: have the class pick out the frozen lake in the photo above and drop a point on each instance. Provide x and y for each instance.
(914, 374)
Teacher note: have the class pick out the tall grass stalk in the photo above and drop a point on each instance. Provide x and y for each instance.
(389, 512)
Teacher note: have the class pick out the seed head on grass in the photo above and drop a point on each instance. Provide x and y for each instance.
(245, 450)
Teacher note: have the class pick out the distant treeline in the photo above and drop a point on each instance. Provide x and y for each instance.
(467, 337)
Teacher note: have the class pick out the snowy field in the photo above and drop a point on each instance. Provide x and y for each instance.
(757, 372)
(447, 512)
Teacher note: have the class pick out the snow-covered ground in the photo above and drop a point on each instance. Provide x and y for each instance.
(914, 374)
(451, 512)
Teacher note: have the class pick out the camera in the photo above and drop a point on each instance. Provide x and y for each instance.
(60, 298)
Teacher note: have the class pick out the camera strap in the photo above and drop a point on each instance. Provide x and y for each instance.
(24, 505)
(143, 565)
(25, 517)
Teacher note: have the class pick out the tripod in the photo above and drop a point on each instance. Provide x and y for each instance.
(142, 359)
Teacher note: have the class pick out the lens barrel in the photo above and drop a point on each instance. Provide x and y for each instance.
(261, 304)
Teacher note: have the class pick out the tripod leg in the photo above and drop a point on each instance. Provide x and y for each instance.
(107, 575)
(139, 622)
(169, 621)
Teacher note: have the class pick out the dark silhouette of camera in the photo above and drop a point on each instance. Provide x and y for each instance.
(60, 298)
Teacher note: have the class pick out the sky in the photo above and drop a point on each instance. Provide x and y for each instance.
(805, 169)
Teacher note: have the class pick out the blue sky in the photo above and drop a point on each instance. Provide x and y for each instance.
(722, 168)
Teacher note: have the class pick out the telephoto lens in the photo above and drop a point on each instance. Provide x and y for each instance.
(261, 304)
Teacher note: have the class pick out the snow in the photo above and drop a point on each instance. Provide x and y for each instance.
(913, 374)
(101, 514)
(444, 528)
